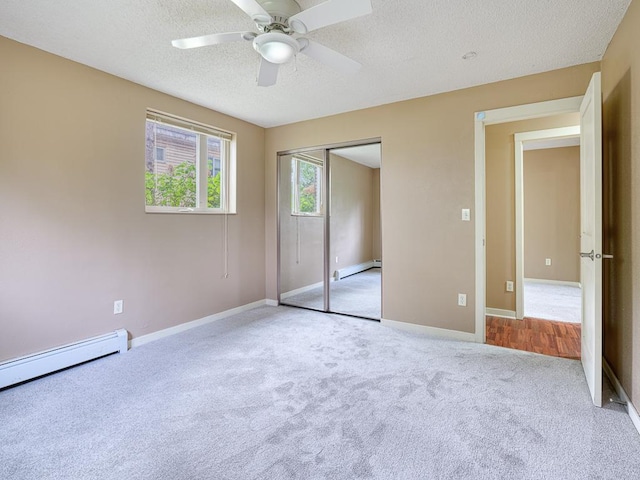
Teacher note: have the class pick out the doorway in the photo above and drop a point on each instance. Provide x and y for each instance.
(590, 111)
(533, 212)
(547, 211)
(329, 238)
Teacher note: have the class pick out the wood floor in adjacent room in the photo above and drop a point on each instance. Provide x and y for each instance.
(558, 339)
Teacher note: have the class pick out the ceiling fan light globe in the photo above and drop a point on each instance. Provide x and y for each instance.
(275, 47)
(276, 52)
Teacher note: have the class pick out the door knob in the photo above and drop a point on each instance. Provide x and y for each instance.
(590, 255)
(593, 255)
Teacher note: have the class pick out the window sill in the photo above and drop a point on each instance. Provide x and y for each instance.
(187, 211)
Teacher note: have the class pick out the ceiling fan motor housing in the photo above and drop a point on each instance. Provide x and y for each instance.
(280, 11)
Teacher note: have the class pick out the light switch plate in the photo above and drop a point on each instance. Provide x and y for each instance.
(466, 215)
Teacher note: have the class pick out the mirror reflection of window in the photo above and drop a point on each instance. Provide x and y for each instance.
(306, 186)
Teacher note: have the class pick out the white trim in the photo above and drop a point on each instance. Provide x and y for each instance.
(490, 117)
(553, 282)
(190, 126)
(377, 263)
(431, 331)
(41, 363)
(353, 269)
(186, 211)
(498, 312)
(271, 303)
(631, 410)
(480, 201)
(519, 211)
(151, 337)
(532, 110)
(561, 132)
(520, 140)
(297, 291)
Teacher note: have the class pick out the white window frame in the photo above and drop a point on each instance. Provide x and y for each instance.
(295, 197)
(227, 165)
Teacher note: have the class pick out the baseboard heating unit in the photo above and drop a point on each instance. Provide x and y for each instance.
(353, 269)
(32, 366)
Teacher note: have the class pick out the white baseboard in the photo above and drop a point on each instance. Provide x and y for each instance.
(300, 290)
(271, 303)
(353, 269)
(337, 275)
(631, 410)
(377, 263)
(138, 341)
(498, 312)
(431, 331)
(553, 282)
(32, 366)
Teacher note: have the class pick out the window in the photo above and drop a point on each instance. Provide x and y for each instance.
(190, 167)
(306, 186)
(159, 154)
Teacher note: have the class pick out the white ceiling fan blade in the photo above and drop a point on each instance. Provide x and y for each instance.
(268, 73)
(329, 13)
(205, 40)
(254, 10)
(329, 57)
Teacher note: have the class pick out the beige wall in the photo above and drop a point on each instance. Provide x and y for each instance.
(552, 213)
(500, 202)
(427, 177)
(377, 234)
(621, 93)
(73, 233)
(351, 213)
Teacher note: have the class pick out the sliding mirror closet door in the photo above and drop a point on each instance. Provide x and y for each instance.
(302, 230)
(355, 249)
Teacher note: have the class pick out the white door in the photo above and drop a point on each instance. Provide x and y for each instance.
(591, 236)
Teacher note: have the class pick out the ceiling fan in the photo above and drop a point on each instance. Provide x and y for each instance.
(277, 21)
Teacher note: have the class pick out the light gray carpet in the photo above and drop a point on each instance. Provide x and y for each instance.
(358, 294)
(283, 393)
(562, 303)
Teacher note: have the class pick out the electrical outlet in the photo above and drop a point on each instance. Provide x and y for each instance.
(547, 262)
(462, 299)
(118, 307)
(509, 286)
(466, 215)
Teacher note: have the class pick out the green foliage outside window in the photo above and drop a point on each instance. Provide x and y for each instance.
(177, 188)
(307, 184)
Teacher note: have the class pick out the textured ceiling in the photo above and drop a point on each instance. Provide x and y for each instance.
(408, 48)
